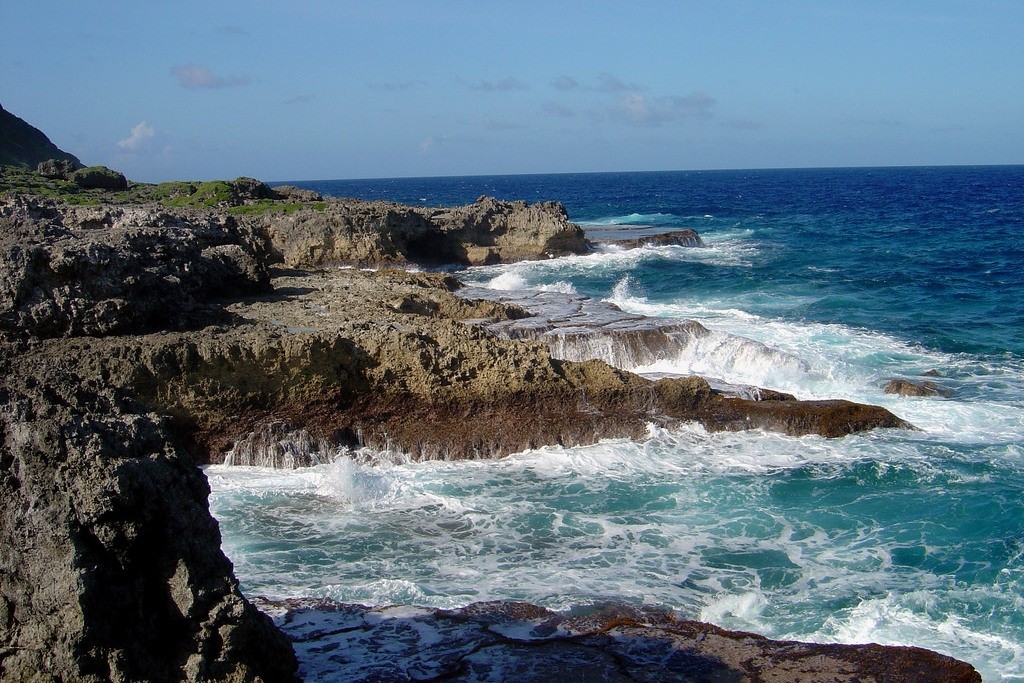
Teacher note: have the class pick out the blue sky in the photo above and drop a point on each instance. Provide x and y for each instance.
(312, 90)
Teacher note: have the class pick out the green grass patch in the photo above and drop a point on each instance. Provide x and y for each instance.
(176, 194)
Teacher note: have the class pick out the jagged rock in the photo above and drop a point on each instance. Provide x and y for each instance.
(678, 238)
(384, 360)
(112, 269)
(504, 641)
(494, 231)
(99, 178)
(111, 565)
(290, 193)
(351, 232)
(59, 169)
(113, 316)
(905, 387)
(249, 189)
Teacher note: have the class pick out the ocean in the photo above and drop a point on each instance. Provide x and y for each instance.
(847, 278)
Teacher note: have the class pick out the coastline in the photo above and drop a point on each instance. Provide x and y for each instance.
(216, 329)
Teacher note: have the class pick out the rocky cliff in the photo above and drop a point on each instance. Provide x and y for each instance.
(382, 233)
(111, 566)
(139, 340)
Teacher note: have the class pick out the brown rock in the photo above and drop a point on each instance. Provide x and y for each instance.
(58, 169)
(68, 270)
(111, 566)
(905, 387)
(522, 642)
(352, 232)
(290, 193)
(678, 238)
(118, 368)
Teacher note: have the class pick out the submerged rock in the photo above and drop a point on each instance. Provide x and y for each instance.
(686, 237)
(905, 387)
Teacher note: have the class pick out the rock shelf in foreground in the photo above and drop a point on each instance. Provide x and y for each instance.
(508, 641)
(139, 340)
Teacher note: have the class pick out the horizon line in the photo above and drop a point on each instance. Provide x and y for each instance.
(679, 170)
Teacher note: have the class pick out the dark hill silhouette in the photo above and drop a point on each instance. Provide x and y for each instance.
(22, 144)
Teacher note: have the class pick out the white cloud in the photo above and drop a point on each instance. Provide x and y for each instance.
(608, 83)
(504, 85)
(638, 110)
(140, 135)
(565, 83)
(195, 77)
(558, 109)
(492, 124)
(394, 87)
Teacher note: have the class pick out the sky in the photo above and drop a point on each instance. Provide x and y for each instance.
(310, 90)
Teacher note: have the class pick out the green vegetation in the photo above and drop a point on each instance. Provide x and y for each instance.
(208, 194)
(233, 195)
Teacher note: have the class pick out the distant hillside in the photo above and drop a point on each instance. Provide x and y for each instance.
(22, 144)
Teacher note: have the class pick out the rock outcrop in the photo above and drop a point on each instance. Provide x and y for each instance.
(57, 169)
(111, 566)
(90, 271)
(137, 341)
(675, 238)
(906, 387)
(350, 232)
(99, 178)
(506, 641)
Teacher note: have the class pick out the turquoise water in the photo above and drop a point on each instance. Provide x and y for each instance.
(909, 537)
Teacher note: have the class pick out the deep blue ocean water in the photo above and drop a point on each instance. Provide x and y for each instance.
(859, 275)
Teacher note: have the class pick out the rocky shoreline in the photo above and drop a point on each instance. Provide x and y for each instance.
(140, 340)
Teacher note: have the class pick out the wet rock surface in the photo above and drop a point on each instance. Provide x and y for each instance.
(922, 388)
(505, 641)
(136, 341)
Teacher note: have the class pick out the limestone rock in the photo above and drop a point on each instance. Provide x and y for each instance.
(99, 178)
(678, 238)
(136, 341)
(290, 193)
(385, 360)
(59, 169)
(351, 232)
(502, 231)
(112, 568)
(905, 387)
(616, 642)
(249, 189)
(111, 269)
